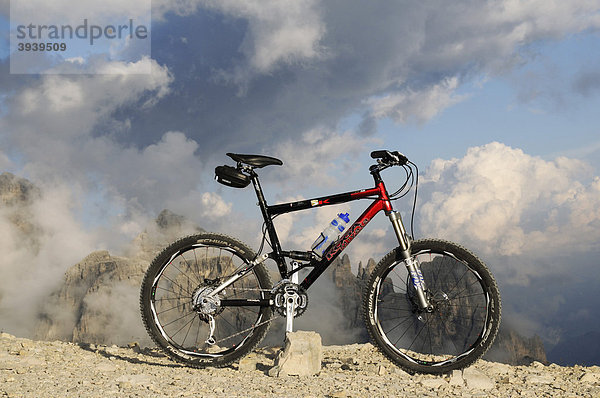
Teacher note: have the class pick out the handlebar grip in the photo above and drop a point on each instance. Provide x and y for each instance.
(379, 154)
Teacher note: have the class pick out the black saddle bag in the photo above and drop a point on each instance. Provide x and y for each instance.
(231, 177)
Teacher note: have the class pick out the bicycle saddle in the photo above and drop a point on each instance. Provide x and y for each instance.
(255, 160)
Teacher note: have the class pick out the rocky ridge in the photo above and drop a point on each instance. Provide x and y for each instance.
(98, 299)
(53, 368)
(16, 196)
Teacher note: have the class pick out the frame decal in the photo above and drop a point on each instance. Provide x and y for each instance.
(341, 244)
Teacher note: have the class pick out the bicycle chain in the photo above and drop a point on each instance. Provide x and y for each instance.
(298, 314)
(245, 330)
(280, 311)
(259, 324)
(253, 326)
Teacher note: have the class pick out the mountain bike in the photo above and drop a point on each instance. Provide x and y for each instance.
(430, 305)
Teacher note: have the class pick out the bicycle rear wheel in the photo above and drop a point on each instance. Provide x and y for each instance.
(465, 316)
(172, 289)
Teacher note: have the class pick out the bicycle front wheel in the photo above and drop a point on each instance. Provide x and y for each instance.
(465, 316)
(192, 327)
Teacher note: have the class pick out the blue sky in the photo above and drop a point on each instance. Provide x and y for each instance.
(496, 102)
(559, 121)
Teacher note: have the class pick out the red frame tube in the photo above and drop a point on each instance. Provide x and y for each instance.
(381, 203)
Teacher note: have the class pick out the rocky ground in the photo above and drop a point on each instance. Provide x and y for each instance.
(57, 369)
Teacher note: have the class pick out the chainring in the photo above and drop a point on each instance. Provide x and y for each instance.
(281, 292)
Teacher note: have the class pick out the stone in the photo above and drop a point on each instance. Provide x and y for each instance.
(130, 380)
(456, 378)
(350, 361)
(248, 363)
(476, 380)
(112, 350)
(498, 368)
(433, 383)
(32, 361)
(540, 379)
(106, 367)
(590, 377)
(135, 346)
(340, 394)
(301, 355)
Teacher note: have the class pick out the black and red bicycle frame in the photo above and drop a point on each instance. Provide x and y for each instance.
(380, 202)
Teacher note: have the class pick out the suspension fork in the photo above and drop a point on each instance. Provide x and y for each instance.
(412, 264)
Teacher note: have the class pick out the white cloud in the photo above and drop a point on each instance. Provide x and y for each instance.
(5, 161)
(279, 31)
(51, 122)
(317, 155)
(33, 262)
(420, 106)
(206, 208)
(491, 32)
(504, 202)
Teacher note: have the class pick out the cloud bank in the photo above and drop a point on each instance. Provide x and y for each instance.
(535, 222)
(283, 77)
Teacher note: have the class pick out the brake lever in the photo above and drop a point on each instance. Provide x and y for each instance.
(400, 158)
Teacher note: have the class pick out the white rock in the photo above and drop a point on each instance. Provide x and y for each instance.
(340, 394)
(590, 377)
(398, 372)
(540, 379)
(456, 378)
(106, 367)
(433, 383)
(498, 368)
(301, 355)
(134, 380)
(477, 380)
(32, 361)
(248, 363)
(112, 350)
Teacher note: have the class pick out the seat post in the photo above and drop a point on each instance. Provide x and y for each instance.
(262, 203)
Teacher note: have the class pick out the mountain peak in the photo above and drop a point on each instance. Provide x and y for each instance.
(15, 190)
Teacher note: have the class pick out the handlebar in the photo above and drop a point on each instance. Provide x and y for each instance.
(389, 158)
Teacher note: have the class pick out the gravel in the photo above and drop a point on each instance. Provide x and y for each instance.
(59, 369)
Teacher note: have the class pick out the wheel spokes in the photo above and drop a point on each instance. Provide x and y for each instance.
(456, 322)
(184, 326)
